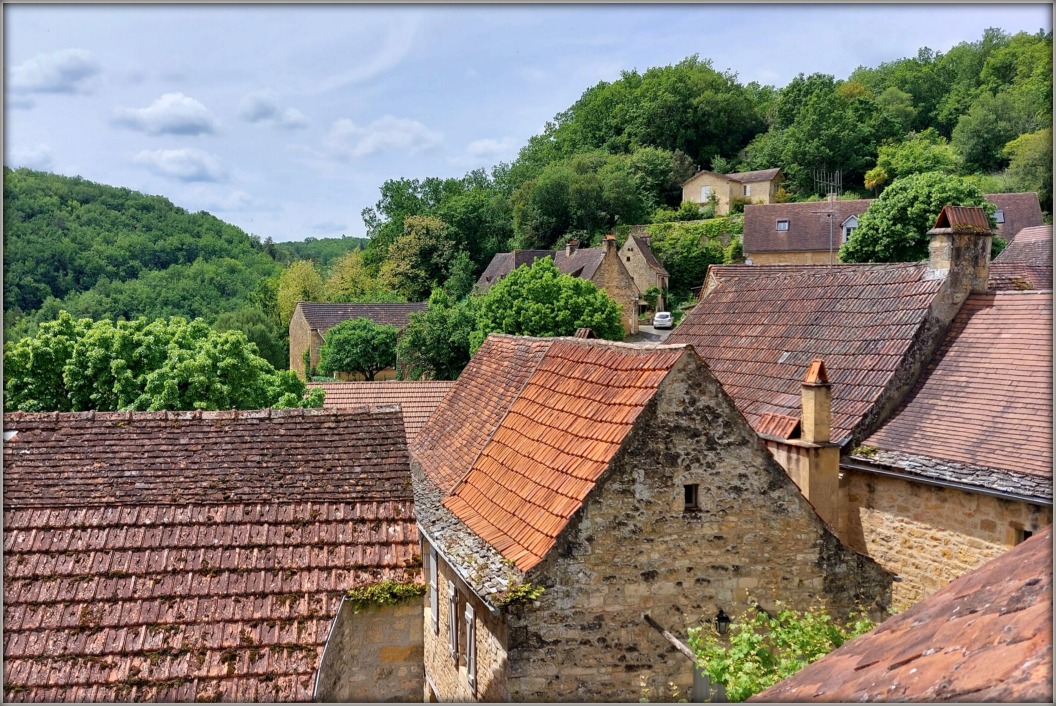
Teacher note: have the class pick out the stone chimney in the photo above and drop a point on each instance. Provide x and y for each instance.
(960, 251)
(610, 243)
(816, 395)
(570, 247)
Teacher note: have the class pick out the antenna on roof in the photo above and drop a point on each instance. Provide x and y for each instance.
(827, 183)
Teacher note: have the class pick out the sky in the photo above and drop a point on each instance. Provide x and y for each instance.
(286, 120)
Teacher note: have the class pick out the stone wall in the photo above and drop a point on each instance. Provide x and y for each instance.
(374, 654)
(719, 186)
(643, 275)
(447, 682)
(929, 535)
(617, 282)
(634, 549)
(300, 339)
(806, 257)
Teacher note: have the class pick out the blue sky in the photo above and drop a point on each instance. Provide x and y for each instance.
(285, 120)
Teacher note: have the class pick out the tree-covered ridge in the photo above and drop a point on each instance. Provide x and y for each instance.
(321, 250)
(105, 252)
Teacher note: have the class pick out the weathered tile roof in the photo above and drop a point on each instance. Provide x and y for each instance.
(583, 263)
(808, 225)
(417, 398)
(986, 636)
(1033, 246)
(555, 441)
(985, 399)
(757, 175)
(161, 557)
(325, 316)
(1035, 234)
(1021, 210)
(760, 328)
(464, 421)
(647, 252)
(1018, 276)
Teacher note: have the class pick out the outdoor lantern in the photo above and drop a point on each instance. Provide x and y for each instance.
(722, 622)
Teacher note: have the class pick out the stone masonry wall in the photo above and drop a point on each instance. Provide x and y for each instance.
(300, 339)
(374, 654)
(643, 275)
(807, 257)
(617, 282)
(719, 186)
(929, 535)
(450, 682)
(633, 549)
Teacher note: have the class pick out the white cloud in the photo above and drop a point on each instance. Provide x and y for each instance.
(490, 147)
(39, 157)
(187, 164)
(263, 107)
(329, 227)
(60, 72)
(396, 45)
(172, 114)
(347, 140)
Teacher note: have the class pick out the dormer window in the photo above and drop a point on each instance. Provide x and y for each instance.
(782, 224)
(999, 215)
(848, 227)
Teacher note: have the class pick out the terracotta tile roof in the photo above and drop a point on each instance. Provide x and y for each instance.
(504, 263)
(325, 316)
(465, 420)
(962, 217)
(1035, 234)
(647, 252)
(1033, 246)
(417, 398)
(110, 596)
(1021, 210)
(1018, 276)
(808, 225)
(751, 177)
(986, 636)
(583, 263)
(208, 457)
(986, 397)
(557, 439)
(758, 334)
(584, 333)
(778, 425)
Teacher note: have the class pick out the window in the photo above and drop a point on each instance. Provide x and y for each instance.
(999, 215)
(747, 189)
(1022, 535)
(848, 227)
(628, 258)
(705, 194)
(692, 492)
(471, 648)
(434, 598)
(452, 623)
(782, 224)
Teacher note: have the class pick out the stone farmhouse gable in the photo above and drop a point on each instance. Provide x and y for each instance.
(647, 272)
(311, 321)
(756, 186)
(986, 637)
(620, 479)
(192, 556)
(417, 399)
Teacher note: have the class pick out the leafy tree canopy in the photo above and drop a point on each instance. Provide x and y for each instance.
(358, 346)
(435, 344)
(300, 282)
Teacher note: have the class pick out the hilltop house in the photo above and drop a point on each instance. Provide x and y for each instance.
(203, 556)
(417, 398)
(986, 637)
(311, 321)
(878, 328)
(601, 265)
(569, 491)
(811, 233)
(646, 270)
(754, 187)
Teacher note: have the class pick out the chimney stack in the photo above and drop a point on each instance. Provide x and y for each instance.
(816, 393)
(610, 242)
(570, 247)
(960, 250)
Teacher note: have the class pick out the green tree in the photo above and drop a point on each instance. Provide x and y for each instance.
(420, 259)
(762, 648)
(687, 249)
(920, 152)
(1030, 164)
(538, 300)
(358, 346)
(260, 329)
(462, 278)
(435, 344)
(894, 228)
(300, 282)
(992, 122)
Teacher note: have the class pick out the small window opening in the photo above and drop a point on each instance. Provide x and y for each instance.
(1023, 535)
(692, 494)
(747, 189)
(999, 215)
(628, 258)
(782, 224)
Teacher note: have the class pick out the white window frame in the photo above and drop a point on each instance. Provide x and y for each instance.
(471, 648)
(434, 593)
(846, 228)
(781, 221)
(705, 194)
(747, 189)
(452, 623)
(999, 215)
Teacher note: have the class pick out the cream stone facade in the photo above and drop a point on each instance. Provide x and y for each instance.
(644, 269)
(805, 257)
(758, 187)
(303, 338)
(613, 277)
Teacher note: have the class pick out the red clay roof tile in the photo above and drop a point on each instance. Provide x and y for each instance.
(417, 398)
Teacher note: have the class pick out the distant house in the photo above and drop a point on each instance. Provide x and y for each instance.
(1032, 246)
(647, 272)
(417, 398)
(878, 328)
(312, 320)
(606, 485)
(601, 265)
(986, 637)
(1016, 212)
(203, 556)
(757, 187)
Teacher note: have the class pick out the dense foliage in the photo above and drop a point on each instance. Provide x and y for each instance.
(686, 249)
(358, 346)
(323, 251)
(435, 344)
(895, 227)
(539, 300)
(761, 649)
(75, 365)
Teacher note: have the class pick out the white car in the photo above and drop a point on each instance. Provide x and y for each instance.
(663, 319)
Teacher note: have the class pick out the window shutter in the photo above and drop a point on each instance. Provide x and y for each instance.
(434, 593)
(471, 647)
(452, 622)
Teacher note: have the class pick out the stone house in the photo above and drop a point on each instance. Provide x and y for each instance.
(203, 556)
(311, 321)
(757, 187)
(646, 271)
(601, 265)
(621, 481)
(1016, 212)
(880, 329)
(986, 637)
(417, 399)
